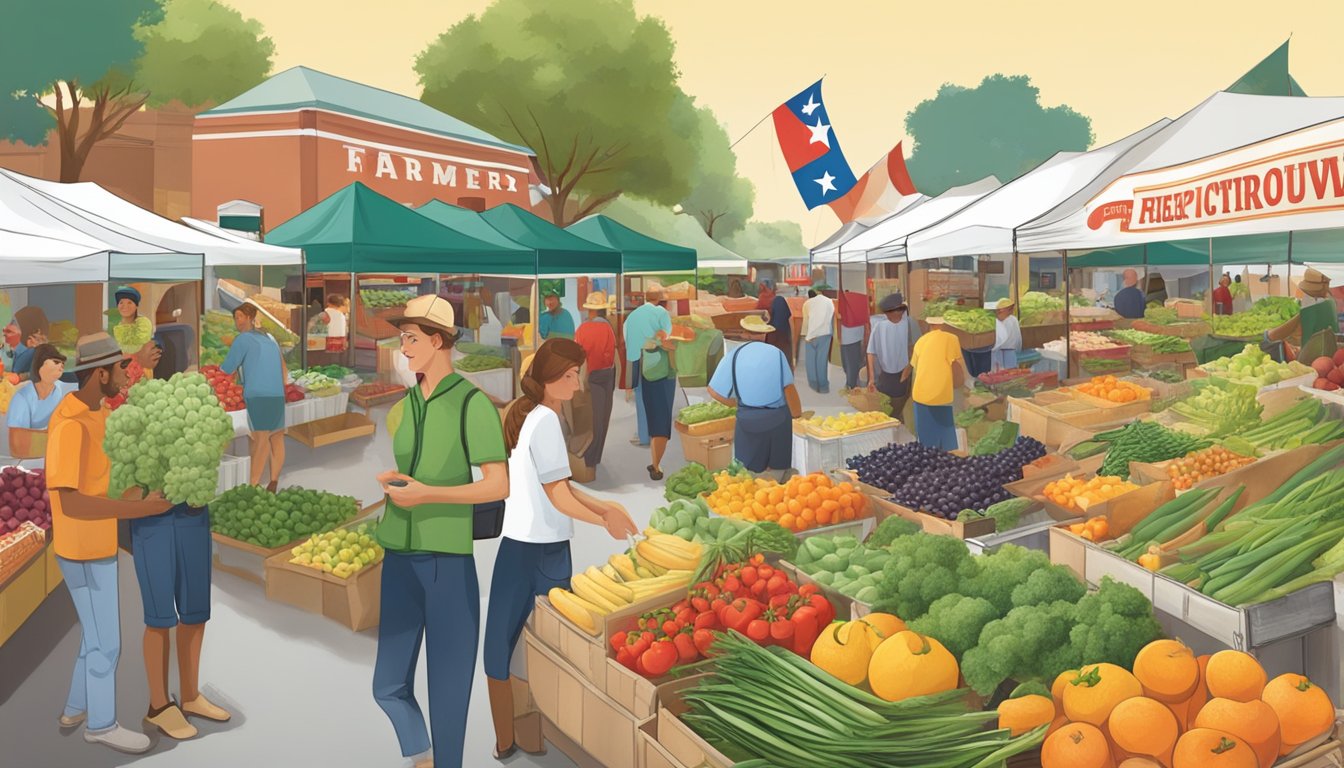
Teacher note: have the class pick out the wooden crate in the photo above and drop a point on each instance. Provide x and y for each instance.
(354, 601)
(54, 577)
(704, 428)
(676, 737)
(714, 452)
(372, 401)
(22, 595)
(335, 429)
(248, 561)
(983, 526)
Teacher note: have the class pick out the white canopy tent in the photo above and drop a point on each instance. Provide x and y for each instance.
(886, 242)
(836, 248)
(1173, 184)
(986, 226)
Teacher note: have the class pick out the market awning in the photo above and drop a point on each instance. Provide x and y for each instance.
(987, 225)
(828, 251)
(470, 223)
(839, 247)
(1324, 246)
(886, 241)
(558, 251)
(639, 253)
(357, 230)
(273, 255)
(1235, 165)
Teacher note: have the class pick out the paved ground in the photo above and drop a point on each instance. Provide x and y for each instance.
(298, 683)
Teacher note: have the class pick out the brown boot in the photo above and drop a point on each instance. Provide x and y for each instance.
(501, 711)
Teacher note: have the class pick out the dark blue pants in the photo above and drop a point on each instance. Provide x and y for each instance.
(172, 564)
(436, 598)
(523, 570)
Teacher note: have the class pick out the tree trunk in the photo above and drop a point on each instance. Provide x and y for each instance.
(109, 112)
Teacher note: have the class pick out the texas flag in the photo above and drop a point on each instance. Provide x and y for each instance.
(810, 149)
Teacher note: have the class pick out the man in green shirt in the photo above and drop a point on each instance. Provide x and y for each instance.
(429, 587)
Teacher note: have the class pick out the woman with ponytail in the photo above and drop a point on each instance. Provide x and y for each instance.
(542, 507)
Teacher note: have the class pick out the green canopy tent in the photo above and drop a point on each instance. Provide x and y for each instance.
(356, 230)
(639, 253)
(471, 223)
(558, 252)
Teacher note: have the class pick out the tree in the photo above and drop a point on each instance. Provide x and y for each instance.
(769, 241)
(203, 52)
(590, 87)
(720, 199)
(79, 53)
(998, 128)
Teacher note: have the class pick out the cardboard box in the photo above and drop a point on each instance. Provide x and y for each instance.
(248, 561)
(712, 427)
(1091, 562)
(1132, 506)
(354, 601)
(651, 753)
(579, 471)
(323, 432)
(715, 452)
(54, 577)
(584, 714)
(584, 652)
(22, 596)
(683, 744)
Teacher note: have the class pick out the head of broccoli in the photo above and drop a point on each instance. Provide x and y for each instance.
(923, 568)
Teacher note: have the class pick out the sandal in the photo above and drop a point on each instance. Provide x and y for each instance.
(506, 754)
(654, 474)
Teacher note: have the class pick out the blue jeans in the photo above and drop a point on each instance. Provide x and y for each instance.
(1003, 359)
(934, 426)
(93, 688)
(640, 415)
(172, 564)
(852, 357)
(434, 598)
(523, 570)
(818, 354)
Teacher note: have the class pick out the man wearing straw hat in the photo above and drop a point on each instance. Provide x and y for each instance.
(1318, 321)
(756, 378)
(1007, 336)
(84, 532)
(598, 340)
(889, 348)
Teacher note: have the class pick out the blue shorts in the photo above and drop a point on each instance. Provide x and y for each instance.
(523, 571)
(265, 414)
(172, 564)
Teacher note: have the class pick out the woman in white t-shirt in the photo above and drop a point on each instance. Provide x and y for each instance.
(539, 518)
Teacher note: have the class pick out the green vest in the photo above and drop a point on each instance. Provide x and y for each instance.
(427, 445)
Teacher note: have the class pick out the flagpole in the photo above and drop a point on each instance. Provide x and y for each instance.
(762, 120)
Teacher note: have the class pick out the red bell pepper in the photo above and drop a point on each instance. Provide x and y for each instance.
(707, 620)
(781, 627)
(704, 640)
(825, 611)
(733, 585)
(806, 629)
(686, 651)
(660, 658)
(778, 584)
(766, 572)
(686, 616)
(741, 613)
(618, 640)
(671, 627)
(758, 631)
(625, 658)
(750, 575)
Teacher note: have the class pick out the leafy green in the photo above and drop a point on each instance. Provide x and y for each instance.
(890, 530)
(956, 621)
(706, 411)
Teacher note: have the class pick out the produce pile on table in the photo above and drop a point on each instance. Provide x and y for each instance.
(843, 563)
(1017, 382)
(753, 599)
(342, 552)
(1165, 376)
(23, 498)
(317, 384)
(710, 410)
(1329, 372)
(802, 503)
(1253, 366)
(217, 334)
(689, 519)
(845, 423)
(1201, 465)
(939, 307)
(169, 436)
(376, 299)
(1158, 343)
(228, 391)
(336, 372)
(1163, 316)
(1220, 407)
(930, 480)
(1001, 436)
(1083, 341)
(1252, 324)
(1146, 442)
(1005, 514)
(1099, 366)
(476, 363)
(624, 580)
(1074, 493)
(1038, 308)
(1172, 708)
(472, 348)
(264, 519)
(293, 393)
(1114, 390)
(970, 320)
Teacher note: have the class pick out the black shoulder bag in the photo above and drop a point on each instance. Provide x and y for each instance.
(487, 517)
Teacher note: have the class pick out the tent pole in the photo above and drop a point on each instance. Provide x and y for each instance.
(1068, 315)
(1209, 290)
(1290, 263)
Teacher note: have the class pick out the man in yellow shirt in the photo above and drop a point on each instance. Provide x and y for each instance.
(938, 368)
(84, 531)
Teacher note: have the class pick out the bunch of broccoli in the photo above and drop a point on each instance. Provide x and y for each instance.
(1011, 614)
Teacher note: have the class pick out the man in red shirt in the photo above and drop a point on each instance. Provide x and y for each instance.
(1222, 296)
(598, 340)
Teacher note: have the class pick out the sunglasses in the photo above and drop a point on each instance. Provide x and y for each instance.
(124, 364)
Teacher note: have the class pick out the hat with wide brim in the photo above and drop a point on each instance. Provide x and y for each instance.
(598, 300)
(430, 310)
(1313, 279)
(1005, 304)
(755, 324)
(892, 302)
(95, 351)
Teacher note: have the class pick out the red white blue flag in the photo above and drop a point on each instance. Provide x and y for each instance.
(811, 150)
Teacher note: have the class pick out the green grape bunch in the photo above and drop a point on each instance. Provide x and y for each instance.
(169, 436)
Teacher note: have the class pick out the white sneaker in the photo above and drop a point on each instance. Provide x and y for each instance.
(120, 739)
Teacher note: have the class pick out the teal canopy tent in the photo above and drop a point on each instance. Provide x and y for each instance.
(557, 252)
(639, 253)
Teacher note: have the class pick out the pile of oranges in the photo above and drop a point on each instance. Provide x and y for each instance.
(804, 502)
(1072, 493)
(1199, 466)
(1114, 390)
(1095, 529)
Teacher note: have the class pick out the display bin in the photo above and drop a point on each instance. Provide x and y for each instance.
(368, 401)
(1034, 535)
(328, 406)
(715, 452)
(22, 593)
(818, 454)
(584, 652)
(54, 577)
(298, 412)
(681, 742)
(934, 524)
(248, 561)
(651, 753)
(1132, 506)
(324, 432)
(579, 710)
(1250, 626)
(496, 382)
(353, 602)
(705, 428)
(234, 471)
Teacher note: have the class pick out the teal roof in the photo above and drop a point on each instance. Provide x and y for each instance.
(469, 222)
(357, 230)
(558, 251)
(639, 252)
(304, 88)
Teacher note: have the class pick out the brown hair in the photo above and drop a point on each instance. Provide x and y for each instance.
(335, 300)
(553, 359)
(247, 310)
(41, 354)
(448, 339)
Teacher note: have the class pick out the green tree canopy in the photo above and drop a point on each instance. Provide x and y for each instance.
(591, 88)
(999, 127)
(769, 241)
(202, 52)
(720, 199)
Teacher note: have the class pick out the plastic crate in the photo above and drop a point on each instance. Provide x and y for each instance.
(814, 454)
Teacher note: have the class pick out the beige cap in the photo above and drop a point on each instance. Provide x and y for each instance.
(598, 300)
(755, 324)
(1312, 279)
(428, 310)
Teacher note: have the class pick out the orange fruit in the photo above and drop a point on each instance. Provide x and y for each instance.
(787, 521)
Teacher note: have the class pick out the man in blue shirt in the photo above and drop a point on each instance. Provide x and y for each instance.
(889, 348)
(264, 375)
(556, 320)
(756, 378)
(1129, 301)
(648, 321)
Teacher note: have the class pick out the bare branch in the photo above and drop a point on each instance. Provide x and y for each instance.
(596, 203)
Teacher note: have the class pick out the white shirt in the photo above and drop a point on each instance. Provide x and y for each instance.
(490, 331)
(335, 322)
(539, 458)
(818, 317)
(1007, 333)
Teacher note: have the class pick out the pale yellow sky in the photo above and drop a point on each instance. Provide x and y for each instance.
(1124, 65)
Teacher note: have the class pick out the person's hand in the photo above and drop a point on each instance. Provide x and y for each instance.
(872, 384)
(618, 522)
(390, 474)
(905, 375)
(154, 496)
(413, 494)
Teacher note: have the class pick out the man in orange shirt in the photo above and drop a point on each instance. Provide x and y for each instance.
(598, 340)
(84, 530)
